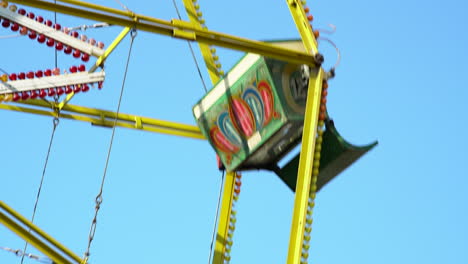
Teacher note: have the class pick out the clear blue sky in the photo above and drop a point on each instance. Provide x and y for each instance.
(402, 80)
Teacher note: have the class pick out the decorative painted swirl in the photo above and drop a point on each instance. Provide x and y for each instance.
(254, 100)
(268, 100)
(242, 115)
(220, 141)
(228, 129)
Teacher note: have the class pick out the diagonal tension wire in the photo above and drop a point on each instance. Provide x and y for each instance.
(222, 176)
(99, 199)
(216, 217)
(20, 253)
(55, 122)
(192, 52)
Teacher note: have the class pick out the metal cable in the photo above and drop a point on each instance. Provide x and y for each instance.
(20, 253)
(192, 52)
(11, 36)
(216, 217)
(99, 199)
(55, 123)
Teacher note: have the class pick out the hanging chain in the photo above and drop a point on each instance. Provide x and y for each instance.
(99, 198)
(315, 173)
(20, 253)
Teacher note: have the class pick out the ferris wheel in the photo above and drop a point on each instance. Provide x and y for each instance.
(273, 100)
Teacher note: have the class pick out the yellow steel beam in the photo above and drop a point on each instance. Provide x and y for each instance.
(110, 48)
(99, 61)
(106, 118)
(36, 237)
(224, 218)
(303, 26)
(304, 173)
(205, 49)
(171, 28)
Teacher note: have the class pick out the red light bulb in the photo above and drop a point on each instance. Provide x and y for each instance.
(59, 46)
(68, 89)
(77, 88)
(15, 27)
(73, 69)
(74, 34)
(42, 93)
(50, 42)
(39, 19)
(13, 77)
(24, 31)
(39, 74)
(41, 38)
(48, 72)
(32, 34)
(92, 41)
(5, 23)
(60, 91)
(57, 26)
(25, 95)
(30, 75)
(82, 68)
(77, 53)
(51, 92)
(85, 57)
(22, 12)
(100, 44)
(85, 87)
(68, 50)
(56, 71)
(31, 15)
(16, 97)
(48, 23)
(34, 94)
(22, 76)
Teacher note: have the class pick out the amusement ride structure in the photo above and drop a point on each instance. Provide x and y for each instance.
(271, 101)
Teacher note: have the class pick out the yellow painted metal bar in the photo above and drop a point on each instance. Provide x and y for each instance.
(303, 26)
(110, 48)
(145, 23)
(304, 173)
(106, 118)
(99, 61)
(205, 49)
(44, 243)
(224, 218)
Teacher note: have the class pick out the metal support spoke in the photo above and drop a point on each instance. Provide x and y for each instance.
(35, 236)
(173, 28)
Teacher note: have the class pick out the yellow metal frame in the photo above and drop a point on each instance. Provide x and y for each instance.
(224, 218)
(174, 28)
(229, 182)
(193, 31)
(304, 173)
(36, 237)
(204, 48)
(100, 60)
(106, 118)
